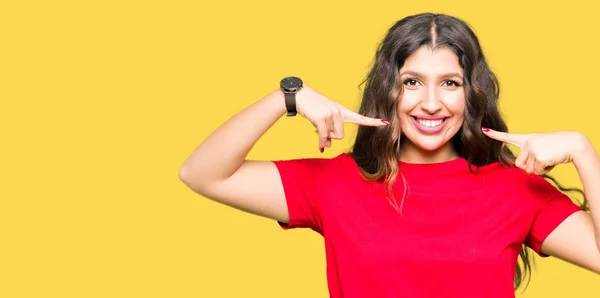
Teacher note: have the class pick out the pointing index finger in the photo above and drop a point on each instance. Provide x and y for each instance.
(511, 138)
(353, 117)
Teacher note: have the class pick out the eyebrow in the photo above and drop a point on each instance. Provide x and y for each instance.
(418, 74)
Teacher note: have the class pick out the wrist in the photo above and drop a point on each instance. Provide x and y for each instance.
(290, 86)
(276, 99)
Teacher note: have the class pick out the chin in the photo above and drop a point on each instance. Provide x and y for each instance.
(430, 146)
(429, 143)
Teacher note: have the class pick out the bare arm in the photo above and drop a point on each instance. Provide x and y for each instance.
(577, 239)
(218, 168)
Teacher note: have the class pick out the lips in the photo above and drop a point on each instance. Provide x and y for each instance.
(430, 124)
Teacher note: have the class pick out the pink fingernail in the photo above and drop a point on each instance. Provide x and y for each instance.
(386, 121)
(485, 129)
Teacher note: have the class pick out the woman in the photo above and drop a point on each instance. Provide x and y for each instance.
(429, 202)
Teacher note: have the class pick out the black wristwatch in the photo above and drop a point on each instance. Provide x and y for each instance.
(290, 86)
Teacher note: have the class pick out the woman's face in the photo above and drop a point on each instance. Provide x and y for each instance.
(432, 105)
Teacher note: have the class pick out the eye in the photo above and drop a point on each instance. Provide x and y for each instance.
(451, 83)
(410, 82)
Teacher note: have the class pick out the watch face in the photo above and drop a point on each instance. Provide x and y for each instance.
(291, 83)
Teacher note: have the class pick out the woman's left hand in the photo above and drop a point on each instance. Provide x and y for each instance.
(541, 152)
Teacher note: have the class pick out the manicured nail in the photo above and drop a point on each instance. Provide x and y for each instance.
(386, 121)
(485, 129)
(322, 149)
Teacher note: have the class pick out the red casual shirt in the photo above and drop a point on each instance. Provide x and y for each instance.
(459, 233)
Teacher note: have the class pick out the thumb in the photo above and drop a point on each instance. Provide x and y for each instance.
(511, 138)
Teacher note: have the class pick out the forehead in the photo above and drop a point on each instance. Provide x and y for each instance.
(432, 61)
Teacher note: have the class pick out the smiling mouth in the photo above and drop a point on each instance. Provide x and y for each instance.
(429, 122)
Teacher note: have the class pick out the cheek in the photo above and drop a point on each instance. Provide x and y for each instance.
(455, 103)
(407, 102)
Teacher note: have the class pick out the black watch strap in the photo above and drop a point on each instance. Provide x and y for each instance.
(290, 103)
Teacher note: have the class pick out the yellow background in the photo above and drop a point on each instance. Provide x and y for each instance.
(102, 101)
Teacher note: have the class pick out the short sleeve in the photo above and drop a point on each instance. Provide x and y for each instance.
(553, 207)
(300, 184)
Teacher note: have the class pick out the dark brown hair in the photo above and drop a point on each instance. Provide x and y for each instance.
(376, 150)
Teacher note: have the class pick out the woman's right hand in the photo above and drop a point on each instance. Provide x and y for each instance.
(219, 169)
(329, 116)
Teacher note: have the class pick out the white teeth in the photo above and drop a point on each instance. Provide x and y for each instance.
(430, 123)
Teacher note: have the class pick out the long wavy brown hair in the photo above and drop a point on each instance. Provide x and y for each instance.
(377, 150)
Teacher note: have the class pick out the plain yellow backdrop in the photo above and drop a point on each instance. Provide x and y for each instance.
(102, 101)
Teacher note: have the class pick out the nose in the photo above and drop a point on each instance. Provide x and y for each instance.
(431, 102)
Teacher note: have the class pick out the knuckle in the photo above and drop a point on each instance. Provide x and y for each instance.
(336, 110)
(328, 114)
(337, 137)
(325, 115)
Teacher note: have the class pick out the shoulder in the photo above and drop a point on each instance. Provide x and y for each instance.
(541, 190)
(320, 176)
(517, 179)
(531, 187)
(342, 163)
(343, 158)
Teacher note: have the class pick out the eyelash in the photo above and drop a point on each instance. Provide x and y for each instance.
(456, 84)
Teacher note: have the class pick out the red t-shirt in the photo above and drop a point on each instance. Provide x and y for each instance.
(459, 234)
